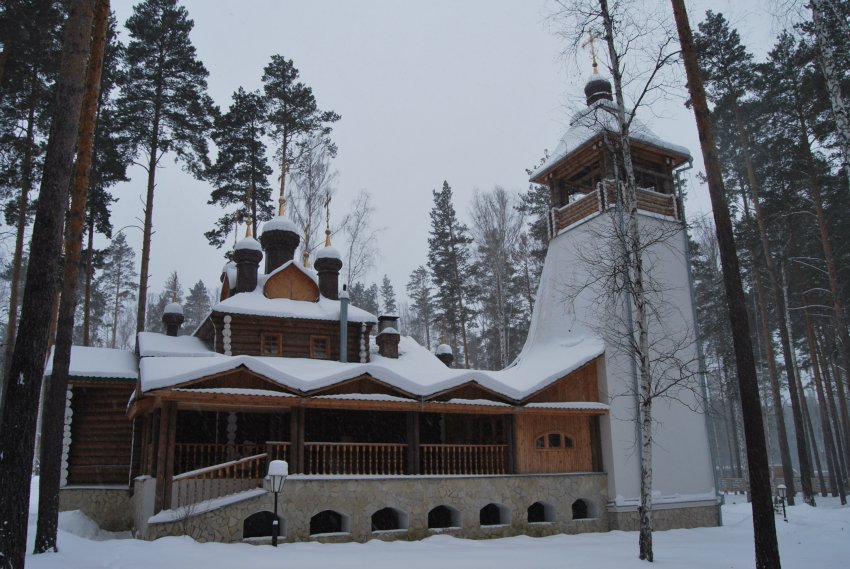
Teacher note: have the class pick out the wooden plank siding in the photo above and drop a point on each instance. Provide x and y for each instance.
(580, 385)
(533, 460)
(101, 434)
(246, 333)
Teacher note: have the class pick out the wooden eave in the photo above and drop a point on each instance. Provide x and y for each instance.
(496, 397)
(527, 398)
(363, 377)
(99, 381)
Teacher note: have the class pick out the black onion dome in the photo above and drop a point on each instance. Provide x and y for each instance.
(598, 89)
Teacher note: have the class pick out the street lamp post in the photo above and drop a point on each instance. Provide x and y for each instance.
(278, 471)
(781, 488)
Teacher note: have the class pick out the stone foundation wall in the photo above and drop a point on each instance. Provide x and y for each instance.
(359, 498)
(109, 507)
(669, 518)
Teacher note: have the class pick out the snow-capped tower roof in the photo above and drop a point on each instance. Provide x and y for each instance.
(248, 243)
(173, 308)
(280, 239)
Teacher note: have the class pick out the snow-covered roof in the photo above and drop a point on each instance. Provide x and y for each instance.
(255, 303)
(173, 308)
(154, 344)
(590, 122)
(99, 362)
(229, 271)
(248, 243)
(416, 371)
(279, 223)
(329, 253)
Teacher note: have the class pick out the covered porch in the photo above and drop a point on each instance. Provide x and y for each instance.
(199, 448)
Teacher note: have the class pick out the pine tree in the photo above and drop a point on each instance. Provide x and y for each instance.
(388, 300)
(422, 307)
(117, 280)
(17, 419)
(30, 59)
(172, 292)
(165, 103)
(297, 123)
(240, 175)
(449, 261)
(764, 525)
(111, 157)
(365, 298)
(197, 307)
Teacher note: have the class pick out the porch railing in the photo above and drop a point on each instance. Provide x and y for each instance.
(193, 456)
(219, 480)
(464, 459)
(354, 458)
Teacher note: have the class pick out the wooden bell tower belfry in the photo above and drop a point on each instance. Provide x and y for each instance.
(587, 156)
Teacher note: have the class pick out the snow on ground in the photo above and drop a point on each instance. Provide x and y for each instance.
(813, 538)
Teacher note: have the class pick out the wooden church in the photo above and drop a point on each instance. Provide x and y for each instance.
(383, 439)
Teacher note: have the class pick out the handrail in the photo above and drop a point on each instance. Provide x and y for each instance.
(219, 480)
(464, 459)
(326, 458)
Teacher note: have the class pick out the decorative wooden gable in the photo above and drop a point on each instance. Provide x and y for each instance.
(290, 281)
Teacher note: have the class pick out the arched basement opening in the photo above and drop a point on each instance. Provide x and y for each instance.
(443, 517)
(389, 519)
(329, 521)
(259, 524)
(582, 510)
(494, 515)
(540, 513)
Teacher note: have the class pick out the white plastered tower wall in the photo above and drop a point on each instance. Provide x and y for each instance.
(567, 305)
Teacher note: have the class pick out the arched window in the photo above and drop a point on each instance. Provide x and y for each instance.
(329, 521)
(260, 524)
(389, 519)
(443, 517)
(554, 441)
(581, 510)
(494, 515)
(540, 513)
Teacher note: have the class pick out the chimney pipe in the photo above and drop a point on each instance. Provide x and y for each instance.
(343, 325)
(172, 317)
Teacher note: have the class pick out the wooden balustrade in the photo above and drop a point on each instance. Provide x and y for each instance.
(192, 456)
(464, 459)
(354, 458)
(586, 206)
(219, 480)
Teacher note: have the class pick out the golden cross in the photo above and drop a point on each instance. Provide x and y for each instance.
(591, 38)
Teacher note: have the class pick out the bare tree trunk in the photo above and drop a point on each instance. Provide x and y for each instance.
(18, 258)
(89, 276)
(826, 58)
(788, 355)
(53, 421)
(764, 527)
(829, 441)
(148, 227)
(17, 436)
(844, 449)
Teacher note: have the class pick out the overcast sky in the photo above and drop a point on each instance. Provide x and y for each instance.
(471, 92)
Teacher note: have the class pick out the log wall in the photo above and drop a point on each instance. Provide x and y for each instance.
(530, 459)
(101, 434)
(246, 333)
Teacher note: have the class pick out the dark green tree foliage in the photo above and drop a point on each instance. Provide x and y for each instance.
(99, 308)
(388, 301)
(164, 98)
(296, 121)
(172, 292)
(365, 298)
(240, 175)
(117, 281)
(421, 307)
(451, 269)
(197, 307)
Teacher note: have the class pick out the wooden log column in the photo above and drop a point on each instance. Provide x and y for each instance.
(413, 456)
(165, 456)
(510, 441)
(596, 444)
(296, 448)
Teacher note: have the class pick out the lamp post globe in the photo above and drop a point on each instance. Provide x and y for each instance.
(278, 471)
